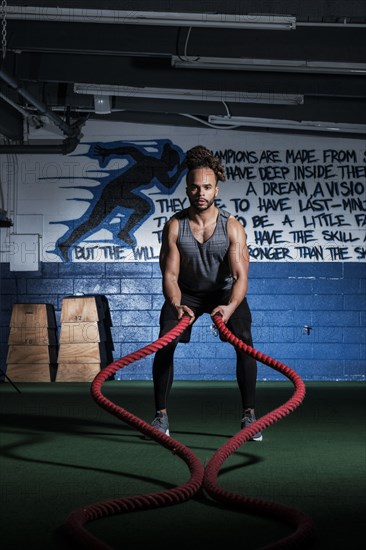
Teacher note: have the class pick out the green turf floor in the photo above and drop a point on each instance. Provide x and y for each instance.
(61, 451)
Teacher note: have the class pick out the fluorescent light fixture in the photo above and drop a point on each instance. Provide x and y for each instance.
(311, 126)
(102, 104)
(132, 17)
(190, 95)
(281, 65)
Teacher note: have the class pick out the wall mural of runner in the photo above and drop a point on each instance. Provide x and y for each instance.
(299, 200)
(122, 191)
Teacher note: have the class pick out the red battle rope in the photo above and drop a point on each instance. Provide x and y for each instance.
(200, 477)
(304, 526)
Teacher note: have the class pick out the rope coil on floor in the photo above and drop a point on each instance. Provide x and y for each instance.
(200, 477)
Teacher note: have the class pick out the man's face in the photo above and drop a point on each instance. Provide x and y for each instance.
(201, 188)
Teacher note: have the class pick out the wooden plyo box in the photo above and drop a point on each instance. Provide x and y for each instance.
(81, 309)
(32, 343)
(78, 372)
(32, 355)
(33, 315)
(82, 333)
(41, 336)
(81, 353)
(31, 373)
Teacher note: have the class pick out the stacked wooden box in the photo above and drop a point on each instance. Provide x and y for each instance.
(32, 343)
(82, 349)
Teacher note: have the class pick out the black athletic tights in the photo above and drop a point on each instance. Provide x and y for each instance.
(246, 366)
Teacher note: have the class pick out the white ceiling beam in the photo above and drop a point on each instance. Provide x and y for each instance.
(275, 65)
(230, 122)
(132, 17)
(189, 95)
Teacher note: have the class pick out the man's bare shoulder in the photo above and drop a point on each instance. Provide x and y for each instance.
(233, 223)
(235, 228)
(171, 227)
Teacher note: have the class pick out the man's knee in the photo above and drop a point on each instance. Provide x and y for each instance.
(241, 330)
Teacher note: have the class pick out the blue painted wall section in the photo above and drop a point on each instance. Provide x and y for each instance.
(285, 298)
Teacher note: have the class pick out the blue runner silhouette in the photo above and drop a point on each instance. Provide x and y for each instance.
(143, 171)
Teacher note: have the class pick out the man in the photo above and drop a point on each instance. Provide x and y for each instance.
(204, 262)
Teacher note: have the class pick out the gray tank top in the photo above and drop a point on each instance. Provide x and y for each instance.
(204, 267)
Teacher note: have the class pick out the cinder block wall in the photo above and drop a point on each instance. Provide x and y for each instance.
(284, 298)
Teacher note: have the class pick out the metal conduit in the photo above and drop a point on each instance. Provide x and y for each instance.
(40, 106)
(72, 132)
(64, 148)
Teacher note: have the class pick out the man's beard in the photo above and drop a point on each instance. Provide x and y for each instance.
(201, 207)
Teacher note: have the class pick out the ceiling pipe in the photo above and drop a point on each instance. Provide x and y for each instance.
(72, 132)
(41, 107)
(132, 17)
(15, 105)
(64, 148)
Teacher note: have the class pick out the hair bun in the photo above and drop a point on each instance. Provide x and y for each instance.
(200, 156)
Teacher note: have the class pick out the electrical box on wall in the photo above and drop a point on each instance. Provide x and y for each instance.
(24, 252)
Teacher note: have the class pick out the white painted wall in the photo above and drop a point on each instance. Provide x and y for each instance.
(301, 198)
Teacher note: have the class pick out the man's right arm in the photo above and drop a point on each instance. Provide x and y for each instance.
(170, 265)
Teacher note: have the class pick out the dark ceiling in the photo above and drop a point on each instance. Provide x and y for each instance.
(48, 54)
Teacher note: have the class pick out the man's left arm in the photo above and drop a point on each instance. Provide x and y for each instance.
(239, 265)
